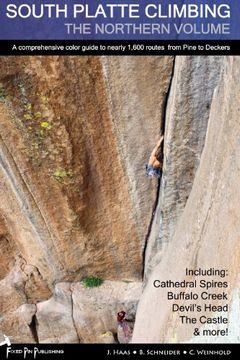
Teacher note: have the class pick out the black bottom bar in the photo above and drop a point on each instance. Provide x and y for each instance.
(119, 47)
(112, 352)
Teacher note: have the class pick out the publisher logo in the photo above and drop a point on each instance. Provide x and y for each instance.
(31, 352)
(6, 341)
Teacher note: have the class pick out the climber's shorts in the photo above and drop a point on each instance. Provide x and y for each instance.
(153, 172)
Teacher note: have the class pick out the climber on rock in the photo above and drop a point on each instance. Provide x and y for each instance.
(155, 163)
(124, 327)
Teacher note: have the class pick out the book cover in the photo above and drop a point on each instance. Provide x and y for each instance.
(119, 178)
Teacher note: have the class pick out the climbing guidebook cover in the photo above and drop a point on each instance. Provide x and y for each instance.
(119, 179)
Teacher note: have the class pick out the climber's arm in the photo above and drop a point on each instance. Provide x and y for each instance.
(153, 161)
(160, 141)
(157, 146)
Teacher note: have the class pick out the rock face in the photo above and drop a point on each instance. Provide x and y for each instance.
(95, 310)
(60, 141)
(187, 113)
(89, 315)
(54, 317)
(75, 200)
(16, 313)
(207, 232)
(137, 106)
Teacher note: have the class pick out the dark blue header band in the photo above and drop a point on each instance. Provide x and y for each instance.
(120, 19)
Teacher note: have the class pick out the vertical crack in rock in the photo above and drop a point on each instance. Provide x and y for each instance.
(165, 103)
(163, 121)
(199, 242)
(33, 328)
(74, 324)
(150, 226)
